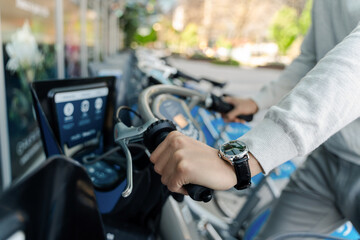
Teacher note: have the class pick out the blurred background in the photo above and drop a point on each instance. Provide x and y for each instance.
(58, 39)
(252, 32)
(237, 32)
(223, 47)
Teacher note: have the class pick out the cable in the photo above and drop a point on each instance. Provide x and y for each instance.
(141, 147)
(128, 109)
(99, 158)
(303, 235)
(115, 149)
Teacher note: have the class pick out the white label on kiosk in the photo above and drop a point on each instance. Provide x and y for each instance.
(81, 94)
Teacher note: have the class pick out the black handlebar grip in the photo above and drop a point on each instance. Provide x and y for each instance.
(221, 106)
(199, 193)
(153, 136)
(184, 75)
(214, 82)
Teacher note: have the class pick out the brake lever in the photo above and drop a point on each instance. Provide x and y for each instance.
(129, 171)
(130, 134)
(123, 135)
(153, 132)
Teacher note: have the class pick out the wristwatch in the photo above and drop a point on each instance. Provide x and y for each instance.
(236, 153)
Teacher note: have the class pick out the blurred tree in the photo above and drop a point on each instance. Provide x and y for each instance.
(284, 28)
(287, 26)
(129, 22)
(244, 12)
(136, 24)
(305, 18)
(143, 39)
(189, 37)
(237, 20)
(222, 42)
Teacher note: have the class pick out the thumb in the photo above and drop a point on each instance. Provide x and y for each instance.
(231, 116)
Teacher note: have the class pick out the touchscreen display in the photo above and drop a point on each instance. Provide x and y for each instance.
(80, 114)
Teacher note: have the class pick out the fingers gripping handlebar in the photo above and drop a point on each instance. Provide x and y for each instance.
(154, 131)
(153, 136)
(221, 106)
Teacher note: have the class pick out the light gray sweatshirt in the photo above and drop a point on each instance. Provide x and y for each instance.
(317, 97)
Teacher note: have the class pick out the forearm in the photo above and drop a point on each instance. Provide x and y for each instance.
(321, 104)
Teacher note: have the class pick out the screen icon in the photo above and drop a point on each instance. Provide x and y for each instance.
(68, 109)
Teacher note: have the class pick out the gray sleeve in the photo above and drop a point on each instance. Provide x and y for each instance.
(275, 90)
(322, 103)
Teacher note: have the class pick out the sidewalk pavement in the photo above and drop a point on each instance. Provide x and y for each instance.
(241, 81)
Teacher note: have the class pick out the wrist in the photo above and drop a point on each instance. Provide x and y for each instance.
(254, 165)
(236, 153)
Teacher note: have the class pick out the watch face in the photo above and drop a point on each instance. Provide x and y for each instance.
(234, 149)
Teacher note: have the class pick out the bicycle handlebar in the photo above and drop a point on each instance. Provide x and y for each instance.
(196, 192)
(145, 96)
(153, 136)
(221, 106)
(154, 131)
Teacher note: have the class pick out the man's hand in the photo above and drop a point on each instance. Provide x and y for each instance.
(181, 160)
(241, 107)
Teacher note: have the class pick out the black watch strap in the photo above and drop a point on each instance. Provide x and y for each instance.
(243, 175)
